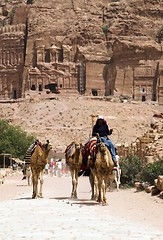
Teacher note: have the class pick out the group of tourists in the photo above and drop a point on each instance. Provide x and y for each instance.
(56, 168)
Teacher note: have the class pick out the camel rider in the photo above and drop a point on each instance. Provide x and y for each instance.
(28, 156)
(101, 128)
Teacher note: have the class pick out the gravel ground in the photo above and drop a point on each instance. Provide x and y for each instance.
(129, 215)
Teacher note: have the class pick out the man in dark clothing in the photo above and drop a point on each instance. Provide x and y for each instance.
(101, 128)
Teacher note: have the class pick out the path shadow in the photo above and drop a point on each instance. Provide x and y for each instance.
(86, 203)
(72, 201)
(62, 198)
(21, 185)
(24, 198)
(68, 200)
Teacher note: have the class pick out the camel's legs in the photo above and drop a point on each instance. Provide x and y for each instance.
(104, 187)
(35, 176)
(115, 176)
(76, 183)
(117, 183)
(34, 183)
(99, 189)
(111, 185)
(91, 180)
(94, 185)
(74, 176)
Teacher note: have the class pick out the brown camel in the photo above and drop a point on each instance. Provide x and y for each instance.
(115, 177)
(73, 155)
(89, 153)
(103, 166)
(37, 164)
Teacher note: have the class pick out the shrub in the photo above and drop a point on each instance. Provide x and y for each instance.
(131, 167)
(151, 171)
(105, 29)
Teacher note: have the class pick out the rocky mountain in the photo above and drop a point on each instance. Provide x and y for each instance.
(103, 47)
(96, 47)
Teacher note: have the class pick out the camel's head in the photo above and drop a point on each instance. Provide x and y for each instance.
(101, 146)
(72, 149)
(47, 146)
(78, 145)
(90, 161)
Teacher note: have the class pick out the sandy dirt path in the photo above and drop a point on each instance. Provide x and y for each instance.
(136, 215)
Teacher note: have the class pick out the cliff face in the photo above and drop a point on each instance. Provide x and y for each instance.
(95, 46)
(100, 25)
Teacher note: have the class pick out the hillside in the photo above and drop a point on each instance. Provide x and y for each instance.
(62, 119)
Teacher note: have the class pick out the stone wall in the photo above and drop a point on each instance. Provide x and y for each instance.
(147, 147)
(95, 84)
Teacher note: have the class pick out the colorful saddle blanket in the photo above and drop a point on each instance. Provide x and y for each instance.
(89, 147)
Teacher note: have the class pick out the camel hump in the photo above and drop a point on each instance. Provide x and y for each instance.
(70, 150)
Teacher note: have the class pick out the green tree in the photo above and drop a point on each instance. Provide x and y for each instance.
(14, 140)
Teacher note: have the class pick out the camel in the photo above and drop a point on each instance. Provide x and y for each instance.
(73, 156)
(89, 153)
(115, 176)
(37, 164)
(100, 172)
(103, 165)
